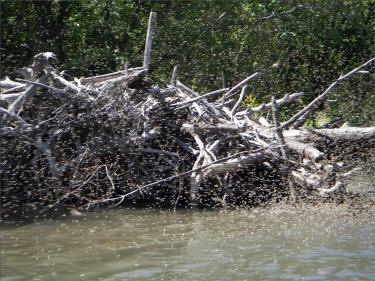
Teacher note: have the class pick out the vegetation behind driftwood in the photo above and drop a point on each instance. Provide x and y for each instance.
(297, 45)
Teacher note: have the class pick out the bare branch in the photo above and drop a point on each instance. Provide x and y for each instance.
(286, 99)
(17, 104)
(319, 99)
(232, 91)
(238, 103)
(14, 116)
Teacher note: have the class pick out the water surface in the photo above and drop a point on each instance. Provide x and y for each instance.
(276, 244)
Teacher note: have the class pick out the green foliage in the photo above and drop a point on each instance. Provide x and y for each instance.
(250, 101)
(312, 41)
(310, 124)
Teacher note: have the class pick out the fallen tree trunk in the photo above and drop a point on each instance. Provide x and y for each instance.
(118, 139)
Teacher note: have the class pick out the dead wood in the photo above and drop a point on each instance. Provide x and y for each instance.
(118, 139)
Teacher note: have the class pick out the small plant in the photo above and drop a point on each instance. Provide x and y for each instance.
(321, 119)
(250, 101)
(309, 123)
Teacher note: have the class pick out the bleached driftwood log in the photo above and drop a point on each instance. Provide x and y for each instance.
(148, 44)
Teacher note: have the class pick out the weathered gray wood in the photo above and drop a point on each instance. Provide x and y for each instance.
(254, 156)
(347, 133)
(187, 103)
(42, 85)
(127, 68)
(186, 147)
(7, 83)
(136, 119)
(134, 76)
(235, 163)
(292, 138)
(304, 149)
(105, 77)
(9, 97)
(238, 103)
(148, 44)
(223, 79)
(279, 131)
(14, 89)
(14, 116)
(17, 104)
(231, 92)
(343, 133)
(44, 147)
(286, 99)
(65, 82)
(174, 76)
(210, 107)
(219, 128)
(326, 191)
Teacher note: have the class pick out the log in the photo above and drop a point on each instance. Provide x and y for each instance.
(7, 83)
(148, 44)
(105, 77)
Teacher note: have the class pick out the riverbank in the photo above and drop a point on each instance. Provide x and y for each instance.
(351, 205)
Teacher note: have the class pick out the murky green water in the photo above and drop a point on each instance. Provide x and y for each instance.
(276, 244)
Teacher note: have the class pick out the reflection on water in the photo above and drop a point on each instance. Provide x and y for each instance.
(275, 244)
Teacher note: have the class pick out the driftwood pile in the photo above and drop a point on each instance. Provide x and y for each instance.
(118, 139)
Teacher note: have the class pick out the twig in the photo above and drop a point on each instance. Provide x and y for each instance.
(223, 79)
(212, 109)
(7, 83)
(44, 146)
(9, 97)
(231, 92)
(70, 193)
(109, 177)
(127, 68)
(280, 14)
(54, 117)
(187, 103)
(145, 187)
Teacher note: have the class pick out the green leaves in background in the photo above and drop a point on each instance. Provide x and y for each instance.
(297, 45)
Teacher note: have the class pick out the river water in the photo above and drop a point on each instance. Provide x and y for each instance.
(304, 243)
